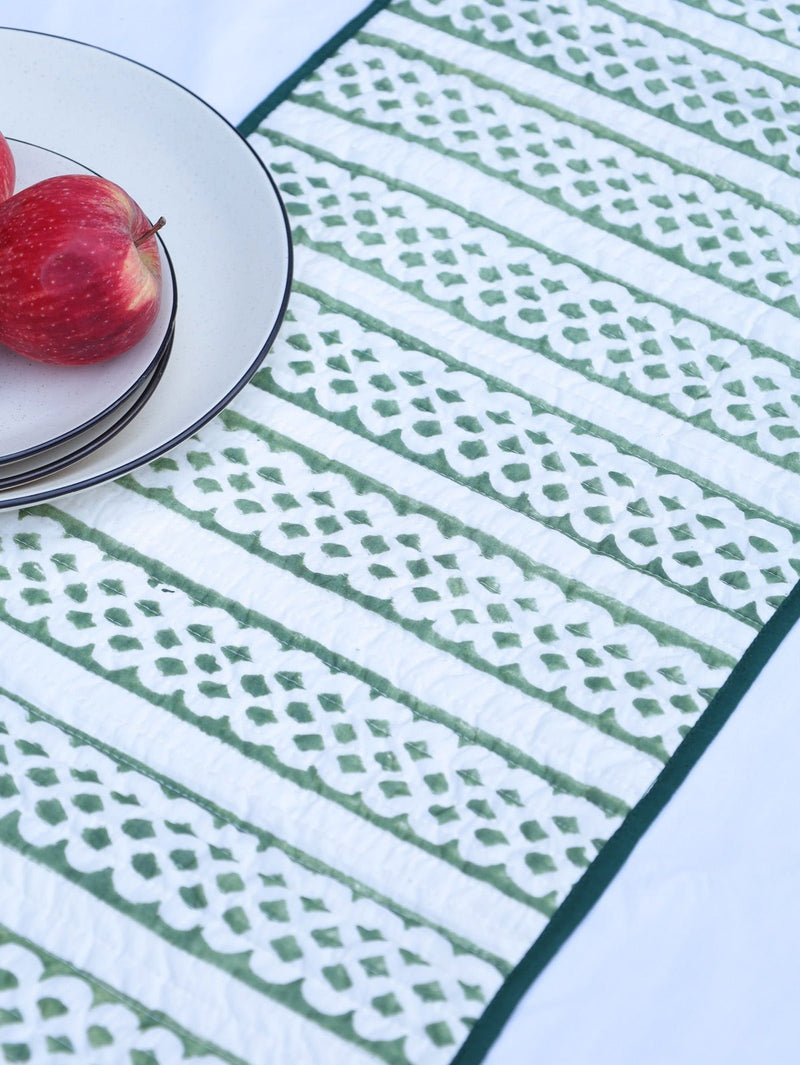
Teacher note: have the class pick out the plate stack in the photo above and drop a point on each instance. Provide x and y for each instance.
(63, 429)
(52, 416)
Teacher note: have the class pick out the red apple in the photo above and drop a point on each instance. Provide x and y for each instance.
(80, 270)
(8, 171)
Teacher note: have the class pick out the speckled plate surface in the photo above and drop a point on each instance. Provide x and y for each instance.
(228, 234)
(43, 405)
(42, 464)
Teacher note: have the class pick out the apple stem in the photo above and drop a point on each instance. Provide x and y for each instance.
(149, 232)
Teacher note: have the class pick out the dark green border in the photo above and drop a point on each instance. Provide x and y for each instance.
(249, 124)
(617, 850)
(620, 846)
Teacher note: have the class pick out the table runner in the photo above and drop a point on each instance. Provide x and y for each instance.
(412, 633)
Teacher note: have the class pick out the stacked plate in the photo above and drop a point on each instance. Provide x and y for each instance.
(52, 416)
(71, 108)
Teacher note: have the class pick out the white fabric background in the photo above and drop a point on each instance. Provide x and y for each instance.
(692, 955)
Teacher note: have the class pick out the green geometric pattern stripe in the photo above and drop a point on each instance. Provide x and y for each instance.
(71, 999)
(394, 420)
(483, 83)
(448, 533)
(264, 936)
(629, 70)
(633, 17)
(715, 328)
(642, 215)
(434, 198)
(489, 546)
(608, 341)
(662, 466)
(281, 730)
(265, 839)
(466, 734)
(505, 639)
(777, 19)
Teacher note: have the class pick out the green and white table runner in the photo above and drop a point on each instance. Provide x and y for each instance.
(346, 709)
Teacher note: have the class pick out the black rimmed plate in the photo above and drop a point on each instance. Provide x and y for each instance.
(42, 464)
(228, 238)
(43, 405)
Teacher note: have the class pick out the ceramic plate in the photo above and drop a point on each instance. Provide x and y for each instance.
(228, 232)
(41, 464)
(42, 405)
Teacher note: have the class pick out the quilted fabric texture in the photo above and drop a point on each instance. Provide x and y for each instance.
(354, 687)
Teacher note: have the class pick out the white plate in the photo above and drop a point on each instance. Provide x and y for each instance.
(42, 404)
(41, 464)
(228, 233)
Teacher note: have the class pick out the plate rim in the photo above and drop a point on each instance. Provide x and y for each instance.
(147, 385)
(79, 484)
